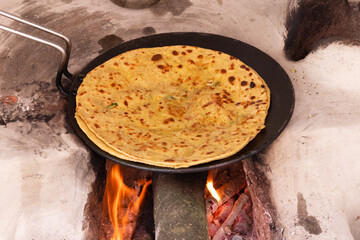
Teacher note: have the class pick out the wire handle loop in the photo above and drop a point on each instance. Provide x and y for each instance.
(65, 53)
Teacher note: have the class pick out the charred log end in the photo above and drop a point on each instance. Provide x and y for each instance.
(315, 20)
(264, 214)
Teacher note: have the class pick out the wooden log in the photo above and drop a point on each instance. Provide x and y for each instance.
(213, 229)
(230, 188)
(179, 206)
(211, 206)
(225, 228)
(223, 212)
(264, 214)
(242, 225)
(215, 221)
(224, 174)
(226, 191)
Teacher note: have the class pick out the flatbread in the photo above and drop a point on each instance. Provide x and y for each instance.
(173, 106)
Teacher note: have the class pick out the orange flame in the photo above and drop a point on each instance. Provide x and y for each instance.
(122, 203)
(210, 187)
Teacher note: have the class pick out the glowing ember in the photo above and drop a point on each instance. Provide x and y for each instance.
(122, 203)
(210, 187)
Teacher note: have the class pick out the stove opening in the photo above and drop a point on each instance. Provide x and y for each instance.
(236, 204)
(228, 205)
(122, 201)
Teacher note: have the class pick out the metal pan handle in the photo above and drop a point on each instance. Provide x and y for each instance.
(65, 53)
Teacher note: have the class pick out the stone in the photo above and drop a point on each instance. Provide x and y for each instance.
(179, 206)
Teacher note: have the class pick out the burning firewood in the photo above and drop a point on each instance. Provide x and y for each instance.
(224, 210)
(226, 227)
(231, 215)
(122, 202)
(230, 188)
(225, 192)
(242, 223)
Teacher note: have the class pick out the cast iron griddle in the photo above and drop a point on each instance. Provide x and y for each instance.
(281, 103)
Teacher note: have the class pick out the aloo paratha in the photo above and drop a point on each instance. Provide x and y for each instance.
(173, 106)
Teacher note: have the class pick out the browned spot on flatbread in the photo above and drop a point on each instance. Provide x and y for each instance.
(231, 80)
(168, 120)
(156, 57)
(245, 67)
(207, 104)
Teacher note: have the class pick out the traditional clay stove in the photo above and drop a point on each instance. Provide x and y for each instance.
(48, 175)
(183, 194)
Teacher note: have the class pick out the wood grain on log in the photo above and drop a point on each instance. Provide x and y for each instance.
(226, 226)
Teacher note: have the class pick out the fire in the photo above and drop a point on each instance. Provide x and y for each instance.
(122, 203)
(210, 187)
